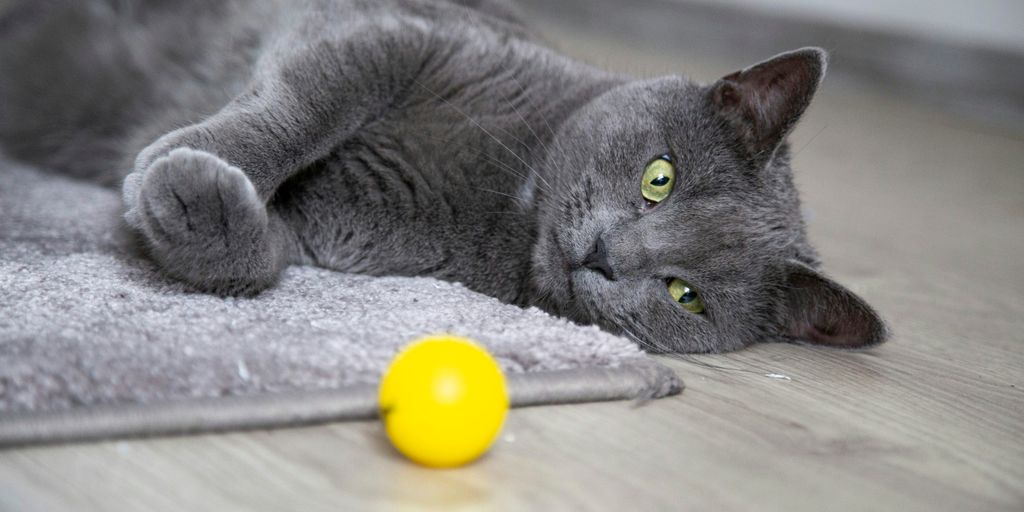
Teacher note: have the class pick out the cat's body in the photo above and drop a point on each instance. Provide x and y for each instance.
(419, 190)
(422, 137)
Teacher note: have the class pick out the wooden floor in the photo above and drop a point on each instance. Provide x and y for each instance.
(921, 213)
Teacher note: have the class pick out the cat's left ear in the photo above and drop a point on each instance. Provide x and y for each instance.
(764, 102)
(823, 312)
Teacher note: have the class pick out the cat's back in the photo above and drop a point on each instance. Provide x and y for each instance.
(85, 84)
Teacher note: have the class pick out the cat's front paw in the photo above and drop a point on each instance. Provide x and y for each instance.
(203, 222)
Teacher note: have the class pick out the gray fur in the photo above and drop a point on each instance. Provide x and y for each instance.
(431, 138)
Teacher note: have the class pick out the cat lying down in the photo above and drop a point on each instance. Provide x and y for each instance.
(433, 138)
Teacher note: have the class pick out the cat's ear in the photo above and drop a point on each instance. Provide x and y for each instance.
(820, 311)
(764, 101)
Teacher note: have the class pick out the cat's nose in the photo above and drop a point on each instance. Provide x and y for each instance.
(598, 260)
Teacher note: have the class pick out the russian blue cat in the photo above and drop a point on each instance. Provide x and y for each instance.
(432, 138)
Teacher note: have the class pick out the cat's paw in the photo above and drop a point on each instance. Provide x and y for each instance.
(178, 140)
(202, 222)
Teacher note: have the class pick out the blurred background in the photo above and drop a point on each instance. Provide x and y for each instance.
(967, 57)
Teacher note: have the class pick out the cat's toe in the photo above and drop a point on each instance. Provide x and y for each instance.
(191, 194)
(203, 222)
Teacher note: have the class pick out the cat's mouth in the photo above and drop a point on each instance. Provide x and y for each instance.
(582, 303)
(584, 285)
(555, 280)
(571, 286)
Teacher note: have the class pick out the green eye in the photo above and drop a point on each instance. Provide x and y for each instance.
(658, 180)
(686, 295)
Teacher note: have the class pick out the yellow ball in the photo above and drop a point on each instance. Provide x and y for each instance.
(443, 401)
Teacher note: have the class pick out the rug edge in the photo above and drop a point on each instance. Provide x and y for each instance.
(641, 378)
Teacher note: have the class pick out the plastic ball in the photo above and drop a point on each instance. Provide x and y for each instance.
(443, 401)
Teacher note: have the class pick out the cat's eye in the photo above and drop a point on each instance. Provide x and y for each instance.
(687, 296)
(658, 179)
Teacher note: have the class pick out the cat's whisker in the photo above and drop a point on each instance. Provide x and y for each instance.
(643, 343)
(481, 127)
(539, 175)
(554, 139)
(525, 122)
(506, 212)
(499, 193)
(528, 127)
(809, 141)
(502, 166)
(688, 358)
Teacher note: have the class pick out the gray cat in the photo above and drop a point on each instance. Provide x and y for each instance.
(432, 138)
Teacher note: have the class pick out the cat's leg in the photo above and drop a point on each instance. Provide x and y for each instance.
(198, 195)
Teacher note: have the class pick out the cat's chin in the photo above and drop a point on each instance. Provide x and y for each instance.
(557, 292)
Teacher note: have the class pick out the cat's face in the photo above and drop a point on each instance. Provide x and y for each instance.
(671, 217)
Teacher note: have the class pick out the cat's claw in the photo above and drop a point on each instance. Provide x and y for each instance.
(203, 222)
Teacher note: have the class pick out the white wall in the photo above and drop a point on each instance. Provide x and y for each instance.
(992, 23)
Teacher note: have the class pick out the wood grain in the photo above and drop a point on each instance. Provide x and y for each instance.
(919, 212)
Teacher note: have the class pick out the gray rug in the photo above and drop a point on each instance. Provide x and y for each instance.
(95, 344)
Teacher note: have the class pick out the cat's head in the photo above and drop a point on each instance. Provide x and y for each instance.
(671, 216)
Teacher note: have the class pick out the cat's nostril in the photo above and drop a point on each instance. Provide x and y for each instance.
(598, 260)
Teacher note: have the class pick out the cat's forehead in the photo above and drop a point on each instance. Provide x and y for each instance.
(670, 114)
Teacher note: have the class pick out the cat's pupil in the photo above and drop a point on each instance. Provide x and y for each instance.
(660, 181)
(688, 297)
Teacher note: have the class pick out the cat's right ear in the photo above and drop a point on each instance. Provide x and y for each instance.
(764, 102)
